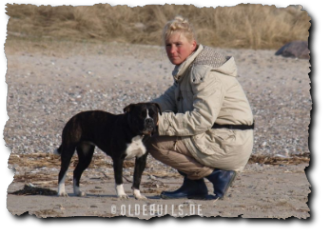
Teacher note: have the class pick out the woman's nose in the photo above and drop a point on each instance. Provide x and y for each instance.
(173, 49)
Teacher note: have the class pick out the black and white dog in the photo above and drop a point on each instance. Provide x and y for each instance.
(119, 136)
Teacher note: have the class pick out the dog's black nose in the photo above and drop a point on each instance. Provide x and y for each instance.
(149, 121)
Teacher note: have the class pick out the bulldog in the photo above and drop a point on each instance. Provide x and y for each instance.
(120, 136)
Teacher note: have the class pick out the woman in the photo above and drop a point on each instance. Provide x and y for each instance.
(206, 126)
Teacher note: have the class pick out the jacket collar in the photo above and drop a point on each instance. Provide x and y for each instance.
(179, 70)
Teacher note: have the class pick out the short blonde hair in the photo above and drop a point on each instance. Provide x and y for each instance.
(179, 24)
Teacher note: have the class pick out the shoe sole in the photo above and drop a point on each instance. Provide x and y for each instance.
(187, 197)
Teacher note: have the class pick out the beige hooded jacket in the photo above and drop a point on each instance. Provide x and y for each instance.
(205, 91)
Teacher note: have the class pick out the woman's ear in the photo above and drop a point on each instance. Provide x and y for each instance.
(194, 45)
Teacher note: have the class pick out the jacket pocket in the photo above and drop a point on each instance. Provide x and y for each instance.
(224, 135)
(203, 142)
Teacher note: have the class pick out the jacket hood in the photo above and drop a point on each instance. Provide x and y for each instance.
(228, 68)
(211, 58)
(216, 60)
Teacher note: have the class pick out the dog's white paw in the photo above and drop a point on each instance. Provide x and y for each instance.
(123, 196)
(121, 192)
(62, 194)
(141, 197)
(76, 189)
(138, 195)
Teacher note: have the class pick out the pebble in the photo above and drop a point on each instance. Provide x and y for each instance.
(60, 207)
(40, 105)
(188, 202)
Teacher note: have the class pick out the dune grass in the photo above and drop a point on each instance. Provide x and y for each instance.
(242, 26)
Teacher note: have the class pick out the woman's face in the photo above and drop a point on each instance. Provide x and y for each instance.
(178, 48)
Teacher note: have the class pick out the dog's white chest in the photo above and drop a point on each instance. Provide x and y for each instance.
(135, 148)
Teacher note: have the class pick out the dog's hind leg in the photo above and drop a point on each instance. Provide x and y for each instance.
(66, 155)
(85, 153)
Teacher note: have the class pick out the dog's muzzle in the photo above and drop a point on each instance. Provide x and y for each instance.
(149, 125)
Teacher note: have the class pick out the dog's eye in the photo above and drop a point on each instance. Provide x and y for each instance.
(143, 114)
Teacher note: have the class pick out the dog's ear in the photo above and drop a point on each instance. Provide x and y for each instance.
(158, 108)
(128, 108)
(154, 132)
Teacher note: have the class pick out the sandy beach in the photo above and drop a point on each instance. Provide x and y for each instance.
(46, 89)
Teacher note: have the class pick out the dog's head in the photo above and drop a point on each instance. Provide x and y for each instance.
(143, 117)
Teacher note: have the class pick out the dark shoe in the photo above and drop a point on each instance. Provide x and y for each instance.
(191, 189)
(221, 180)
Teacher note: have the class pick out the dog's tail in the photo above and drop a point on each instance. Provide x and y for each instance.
(58, 150)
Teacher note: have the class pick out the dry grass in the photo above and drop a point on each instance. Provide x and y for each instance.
(42, 160)
(269, 160)
(30, 190)
(242, 26)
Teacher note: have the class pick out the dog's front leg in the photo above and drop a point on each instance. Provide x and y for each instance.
(140, 164)
(118, 170)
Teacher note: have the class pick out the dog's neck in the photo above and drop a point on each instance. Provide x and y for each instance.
(138, 137)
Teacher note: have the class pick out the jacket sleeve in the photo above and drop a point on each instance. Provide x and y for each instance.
(207, 101)
(167, 100)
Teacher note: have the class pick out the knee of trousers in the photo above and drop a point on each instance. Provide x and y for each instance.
(153, 146)
(160, 147)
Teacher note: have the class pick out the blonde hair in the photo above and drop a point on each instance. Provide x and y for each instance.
(179, 24)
